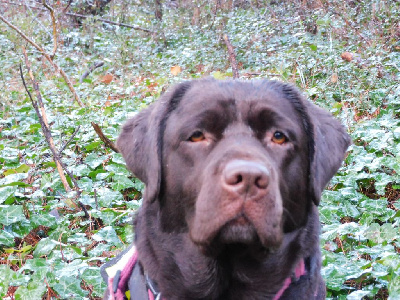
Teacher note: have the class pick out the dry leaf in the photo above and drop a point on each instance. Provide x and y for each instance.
(107, 78)
(334, 78)
(175, 70)
(347, 56)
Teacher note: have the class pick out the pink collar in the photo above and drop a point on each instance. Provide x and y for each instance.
(299, 271)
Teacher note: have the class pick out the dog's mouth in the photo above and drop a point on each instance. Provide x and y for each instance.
(238, 230)
(240, 233)
(237, 237)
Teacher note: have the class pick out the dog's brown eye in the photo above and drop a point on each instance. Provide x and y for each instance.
(279, 138)
(197, 136)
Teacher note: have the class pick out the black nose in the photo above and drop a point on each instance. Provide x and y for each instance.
(245, 177)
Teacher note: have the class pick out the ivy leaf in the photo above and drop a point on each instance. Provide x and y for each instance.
(106, 197)
(121, 182)
(358, 295)
(11, 214)
(69, 287)
(107, 234)
(6, 239)
(5, 276)
(93, 278)
(394, 288)
(6, 192)
(93, 160)
(44, 219)
(44, 247)
(34, 290)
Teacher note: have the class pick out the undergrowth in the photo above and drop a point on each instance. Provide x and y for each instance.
(344, 55)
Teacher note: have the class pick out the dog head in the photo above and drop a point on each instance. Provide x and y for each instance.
(233, 161)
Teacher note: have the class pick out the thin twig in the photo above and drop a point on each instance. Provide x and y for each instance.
(28, 7)
(41, 50)
(91, 69)
(54, 23)
(85, 17)
(112, 22)
(95, 199)
(87, 216)
(64, 11)
(41, 113)
(232, 56)
(105, 139)
(69, 141)
(61, 250)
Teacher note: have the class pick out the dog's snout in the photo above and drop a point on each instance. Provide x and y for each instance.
(243, 177)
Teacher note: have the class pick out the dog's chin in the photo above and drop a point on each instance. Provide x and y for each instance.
(238, 231)
(238, 236)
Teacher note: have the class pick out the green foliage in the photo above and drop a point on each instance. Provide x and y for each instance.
(46, 236)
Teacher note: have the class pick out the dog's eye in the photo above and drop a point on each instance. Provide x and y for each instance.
(279, 138)
(197, 136)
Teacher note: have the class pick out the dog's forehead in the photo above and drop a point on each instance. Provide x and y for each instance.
(242, 97)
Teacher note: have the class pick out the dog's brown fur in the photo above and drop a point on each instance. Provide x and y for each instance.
(229, 210)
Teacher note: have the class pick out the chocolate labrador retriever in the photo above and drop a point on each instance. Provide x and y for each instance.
(234, 172)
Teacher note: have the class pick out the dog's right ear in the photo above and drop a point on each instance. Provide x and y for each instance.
(140, 141)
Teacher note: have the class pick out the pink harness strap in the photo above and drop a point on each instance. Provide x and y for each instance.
(128, 268)
(300, 270)
(125, 274)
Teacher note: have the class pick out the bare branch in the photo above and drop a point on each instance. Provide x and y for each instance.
(66, 7)
(41, 113)
(112, 23)
(232, 56)
(105, 139)
(22, 34)
(69, 141)
(87, 215)
(85, 17)
(54, 23)
(41, 50)
(28, 7)
(92, 68)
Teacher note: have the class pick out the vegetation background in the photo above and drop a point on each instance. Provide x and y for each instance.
(66, 200)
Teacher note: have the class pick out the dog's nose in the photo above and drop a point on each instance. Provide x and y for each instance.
(245, 177)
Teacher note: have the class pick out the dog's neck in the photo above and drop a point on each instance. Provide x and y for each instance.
(182, 271)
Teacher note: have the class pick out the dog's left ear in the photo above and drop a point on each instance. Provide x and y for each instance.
(140, 141)
(330, 144)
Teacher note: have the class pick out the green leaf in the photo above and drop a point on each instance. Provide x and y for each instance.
(44, 247)
(34, 290)
(358, 295)
(93, 278)
(313, 47)
(14, 179)
(22, 228)
(7, 192)
(44, 219)
(93, 160)
(379, 234)
(21, 169)
(121, 182)
(394, 288)
(92, 146)
(106, 197)
(5, 276)
(11, 214)
(108, 235)
(69, 287)
(117, 169)
(218, 75)
(107, 216)
(6, 239)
